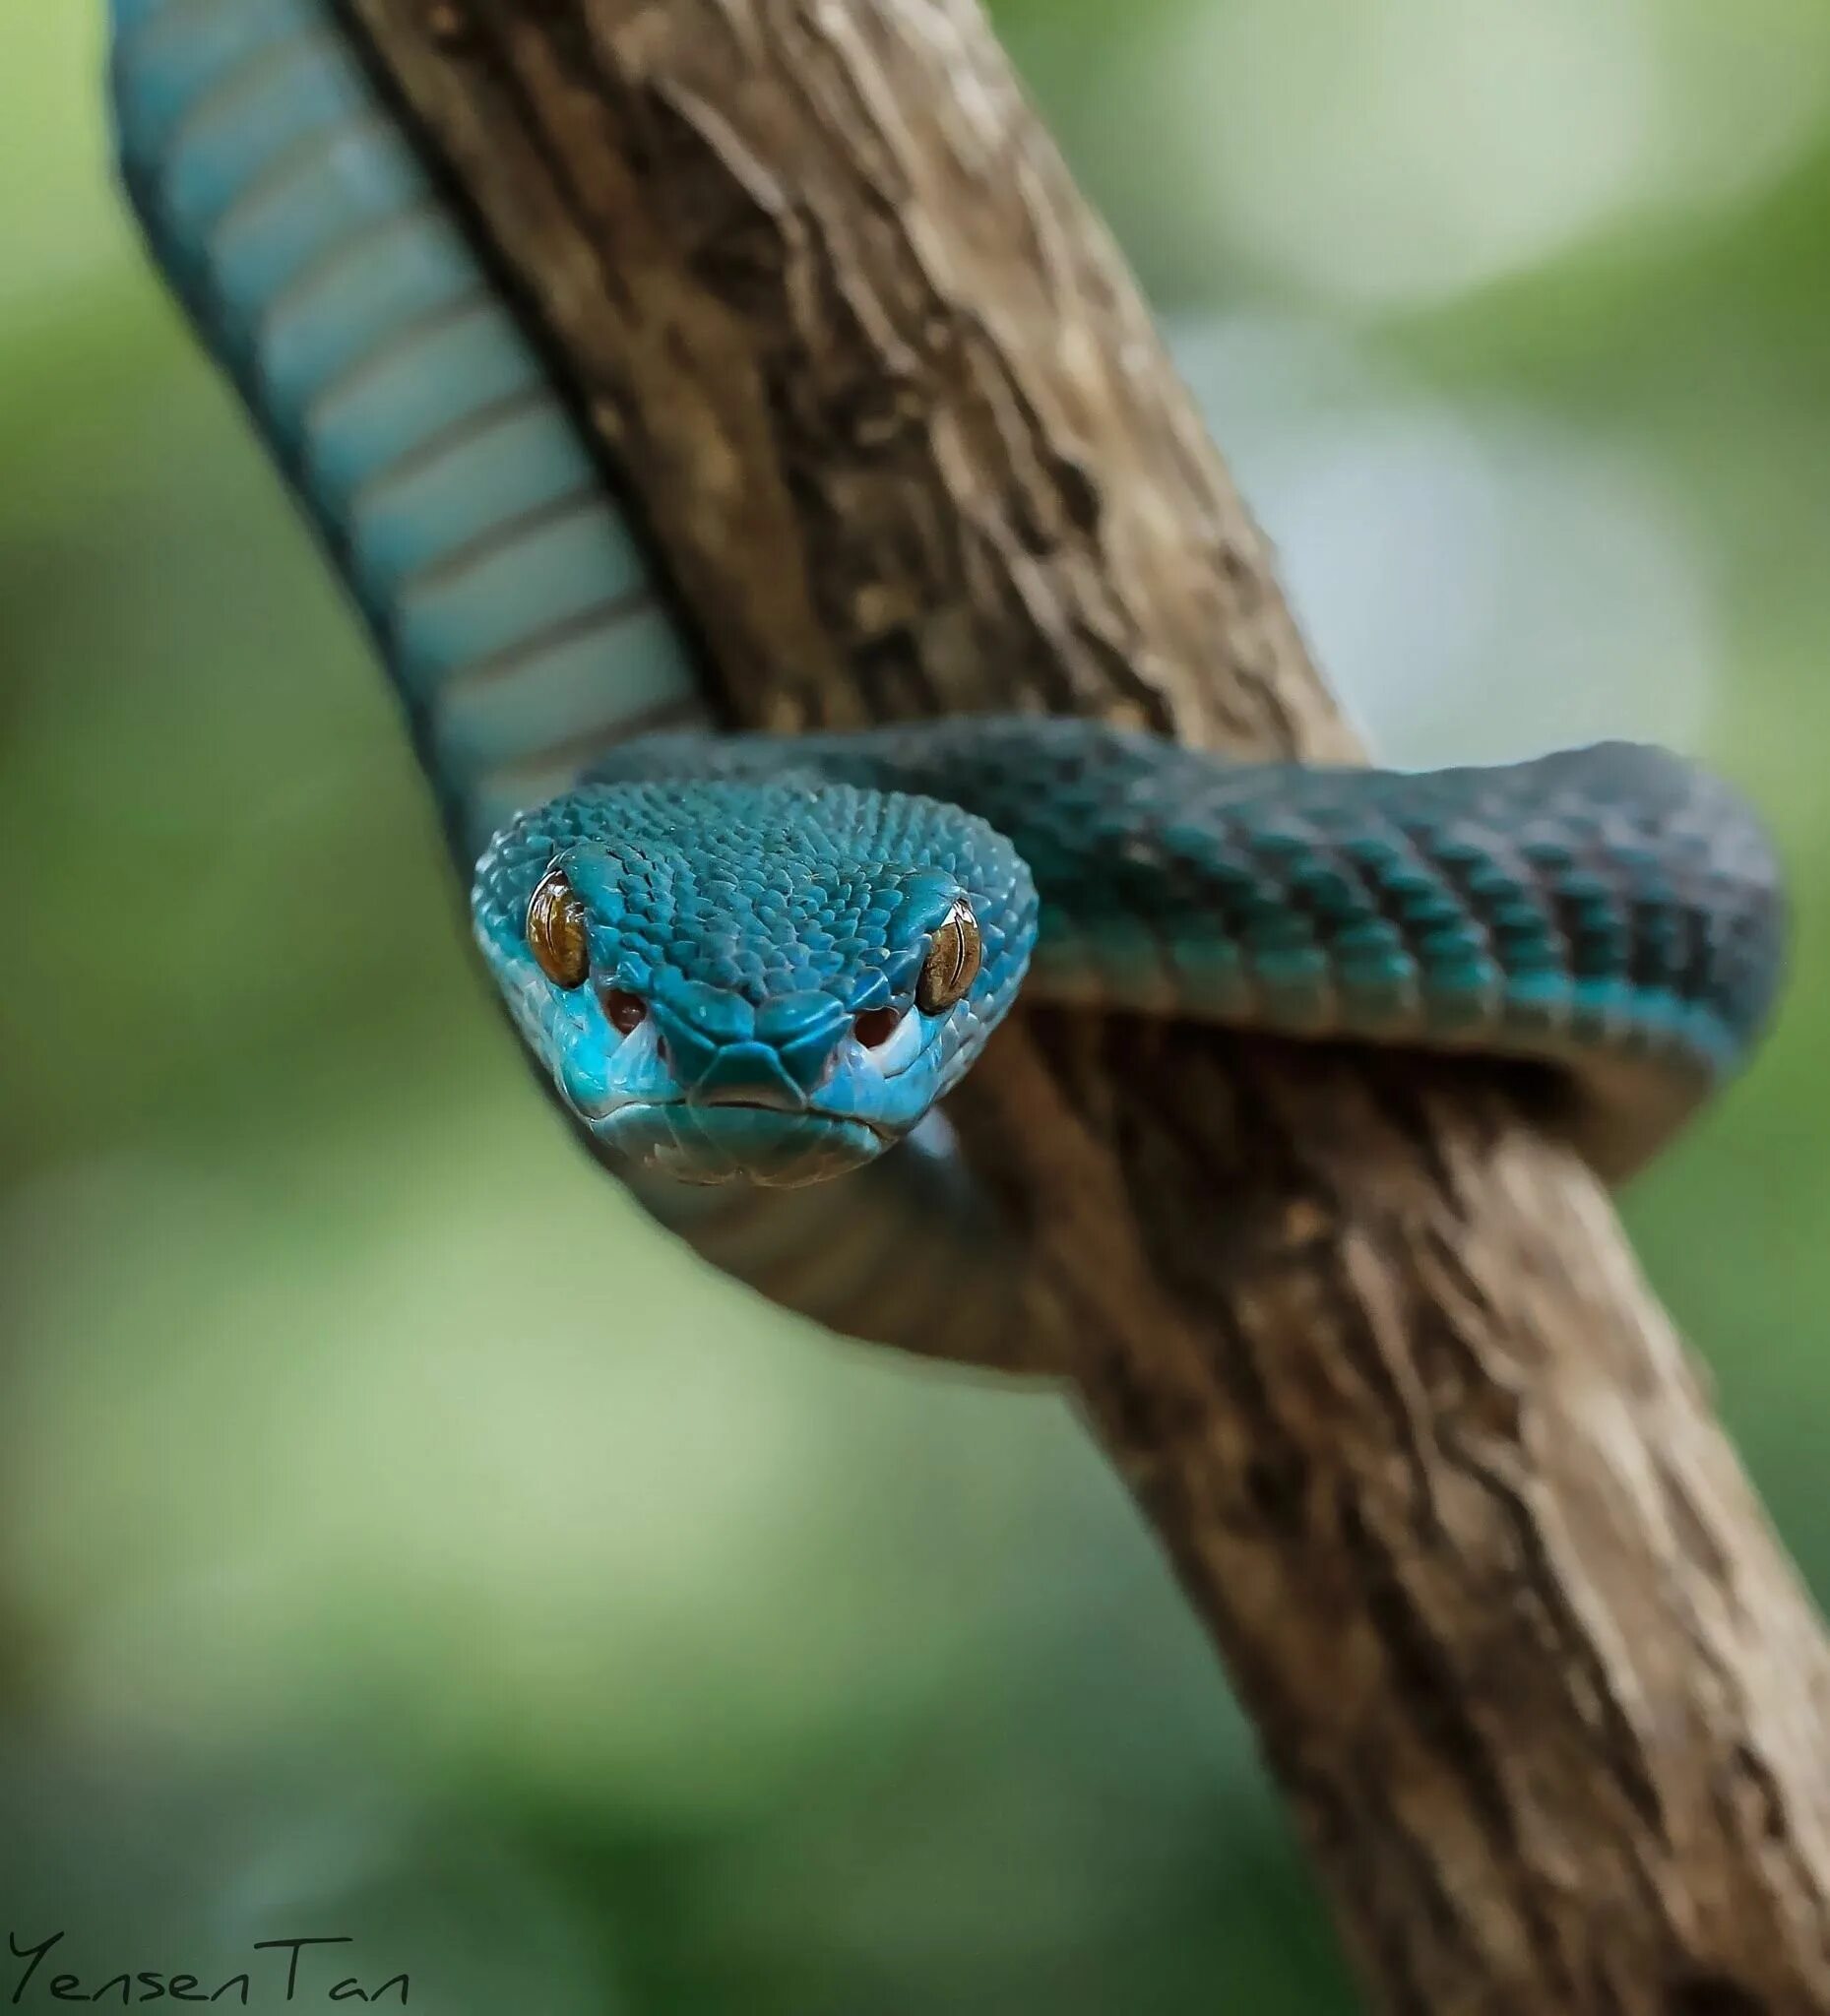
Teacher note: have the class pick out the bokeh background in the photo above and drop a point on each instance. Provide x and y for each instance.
(400, 1540)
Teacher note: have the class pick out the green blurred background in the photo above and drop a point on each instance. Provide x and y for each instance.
(400, 1540)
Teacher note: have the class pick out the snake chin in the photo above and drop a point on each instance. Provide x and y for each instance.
(734, 1143)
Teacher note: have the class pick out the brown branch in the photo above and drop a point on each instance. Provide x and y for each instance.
(1544, 1695)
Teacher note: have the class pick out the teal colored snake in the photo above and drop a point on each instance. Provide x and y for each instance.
(749, 957)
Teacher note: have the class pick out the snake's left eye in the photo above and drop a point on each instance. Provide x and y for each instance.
(952, 963)
(556, 931)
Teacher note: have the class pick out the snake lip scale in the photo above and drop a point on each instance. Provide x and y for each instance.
(606, 1112)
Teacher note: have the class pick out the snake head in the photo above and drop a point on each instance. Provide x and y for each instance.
(766, 981)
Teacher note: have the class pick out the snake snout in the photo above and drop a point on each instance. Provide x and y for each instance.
(747, 1074)
(723, 1051)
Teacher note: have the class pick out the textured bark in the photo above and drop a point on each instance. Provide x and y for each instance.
(1544, 1693)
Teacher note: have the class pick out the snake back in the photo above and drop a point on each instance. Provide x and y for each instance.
(415, 422)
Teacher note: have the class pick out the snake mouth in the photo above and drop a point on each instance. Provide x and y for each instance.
(736, 1141)
(603, 1113)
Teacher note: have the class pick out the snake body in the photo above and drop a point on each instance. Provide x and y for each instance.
(721, 949)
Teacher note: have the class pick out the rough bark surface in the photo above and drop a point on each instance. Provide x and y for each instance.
(1544, 1694)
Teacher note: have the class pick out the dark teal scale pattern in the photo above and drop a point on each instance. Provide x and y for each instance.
(408, 413)
(1610, 910)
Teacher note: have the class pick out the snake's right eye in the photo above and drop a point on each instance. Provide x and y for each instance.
(953, 960)
(556, 932)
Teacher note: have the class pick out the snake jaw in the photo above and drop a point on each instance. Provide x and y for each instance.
(710, 1145)
(865, 1102)
(737, 1119)
(628, 1095)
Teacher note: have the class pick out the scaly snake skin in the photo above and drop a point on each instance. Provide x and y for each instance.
(753, 914)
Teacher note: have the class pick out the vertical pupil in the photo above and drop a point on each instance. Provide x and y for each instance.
(952, 962)
(556, 931)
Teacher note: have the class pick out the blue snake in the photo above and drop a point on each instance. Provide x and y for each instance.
(771, 958)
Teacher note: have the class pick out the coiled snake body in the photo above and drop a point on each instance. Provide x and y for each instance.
(768, 958)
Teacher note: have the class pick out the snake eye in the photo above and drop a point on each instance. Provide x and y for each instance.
(875, 1027)
(556, 932)
(623, 1010)
(952, 963)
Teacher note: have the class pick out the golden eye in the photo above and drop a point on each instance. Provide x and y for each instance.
(556, 932)
(952, 963)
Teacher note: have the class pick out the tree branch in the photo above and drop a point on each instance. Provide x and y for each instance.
(1544, 1693)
